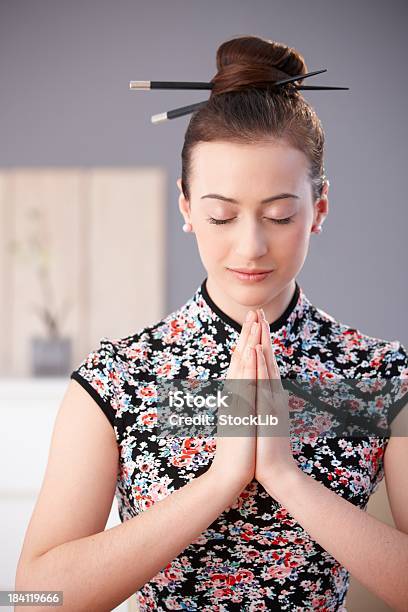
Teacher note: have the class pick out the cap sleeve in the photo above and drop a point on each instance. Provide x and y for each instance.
(97, 375)
(397, 372)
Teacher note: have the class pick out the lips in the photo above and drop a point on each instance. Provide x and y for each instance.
(251, 276)
(249, 271)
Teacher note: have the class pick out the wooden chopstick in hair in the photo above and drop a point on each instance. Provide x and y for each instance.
(146, 85)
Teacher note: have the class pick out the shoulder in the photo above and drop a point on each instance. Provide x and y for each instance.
(114, 368)
(358, 355)
(366, 353)
(143, 348)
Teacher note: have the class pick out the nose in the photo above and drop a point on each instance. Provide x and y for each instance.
(251, 241)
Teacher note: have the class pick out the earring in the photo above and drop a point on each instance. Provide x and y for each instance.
(317, 229)
(187, 227)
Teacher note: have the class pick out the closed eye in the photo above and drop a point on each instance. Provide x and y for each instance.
(222, 221)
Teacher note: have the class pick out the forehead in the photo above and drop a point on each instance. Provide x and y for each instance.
(268, 165)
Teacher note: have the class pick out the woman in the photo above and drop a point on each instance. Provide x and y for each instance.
(246, 523)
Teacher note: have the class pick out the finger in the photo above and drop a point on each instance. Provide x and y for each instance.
(237, 353)
(265, 407)
(244, 369)
(262, 368)
(245, 332)
(271, 364)
(266, 342)
(247, 369)
(237, 358)
(249, 379)
(265, 339)
(264, 392)
(249, 340)
(280, 397)
(248, 363)
(242, 402)
(270, 403)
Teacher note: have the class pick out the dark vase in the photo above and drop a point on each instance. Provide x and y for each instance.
(51, 356)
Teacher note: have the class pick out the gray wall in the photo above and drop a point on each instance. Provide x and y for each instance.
(64, 100)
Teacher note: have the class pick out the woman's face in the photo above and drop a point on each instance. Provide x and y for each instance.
(268, 236)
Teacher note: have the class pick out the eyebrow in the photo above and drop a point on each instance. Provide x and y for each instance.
(279, 196)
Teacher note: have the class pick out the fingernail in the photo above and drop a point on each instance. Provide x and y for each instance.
(249, 315)
(263, 314)
(254, 327)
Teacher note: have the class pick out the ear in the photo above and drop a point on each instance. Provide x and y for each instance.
(325, 188)
(184, 205)
(322, 205)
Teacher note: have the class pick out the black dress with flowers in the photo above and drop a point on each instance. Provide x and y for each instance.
(255, 555)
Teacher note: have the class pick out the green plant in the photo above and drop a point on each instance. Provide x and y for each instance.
(36, 251)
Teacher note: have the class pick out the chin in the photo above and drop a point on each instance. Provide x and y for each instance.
(255, 294)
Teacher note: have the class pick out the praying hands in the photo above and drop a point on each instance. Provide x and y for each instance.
(262, 453)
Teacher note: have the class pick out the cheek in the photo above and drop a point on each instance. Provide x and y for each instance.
(288, 247)
(289, 238)
(298, 238)
(211, 243)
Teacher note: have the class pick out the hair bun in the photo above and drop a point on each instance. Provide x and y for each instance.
(251, 61)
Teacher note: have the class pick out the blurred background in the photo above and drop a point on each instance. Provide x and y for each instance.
(90, 232)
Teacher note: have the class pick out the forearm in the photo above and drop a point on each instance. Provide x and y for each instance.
(375, 553)
(100, 571)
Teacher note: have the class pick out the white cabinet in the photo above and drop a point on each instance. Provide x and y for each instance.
(28, 408)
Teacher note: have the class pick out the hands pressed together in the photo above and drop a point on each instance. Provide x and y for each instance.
(263, 454)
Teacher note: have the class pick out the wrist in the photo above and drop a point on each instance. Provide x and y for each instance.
(281, 480)
(224, 484)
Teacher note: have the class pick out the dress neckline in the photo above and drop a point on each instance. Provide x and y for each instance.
(274, 326)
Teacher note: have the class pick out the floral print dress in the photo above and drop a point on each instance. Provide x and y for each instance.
(255, 555)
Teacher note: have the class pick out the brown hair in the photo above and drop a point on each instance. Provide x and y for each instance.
(243, 106)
